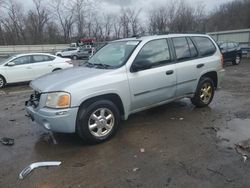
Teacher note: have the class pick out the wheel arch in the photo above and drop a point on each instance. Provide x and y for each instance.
(56, 69)
(113, 97)
(213, 75)
(4, 78)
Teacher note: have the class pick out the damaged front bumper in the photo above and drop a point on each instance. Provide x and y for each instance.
(55, 120)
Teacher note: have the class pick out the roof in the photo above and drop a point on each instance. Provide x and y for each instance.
(153, 37)
(23, 54)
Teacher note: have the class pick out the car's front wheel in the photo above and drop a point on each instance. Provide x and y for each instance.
(204, 93)
(74, 57)
(98, 121)
(237, 60)
(2, 82)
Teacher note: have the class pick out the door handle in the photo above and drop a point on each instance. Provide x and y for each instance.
(28, 67)
(169, 72)
(200, 65)
(50, 65)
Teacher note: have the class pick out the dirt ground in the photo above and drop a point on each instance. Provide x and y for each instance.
(175, 145)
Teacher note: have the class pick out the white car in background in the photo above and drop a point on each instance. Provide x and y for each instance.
(68, 52)
(27, 67)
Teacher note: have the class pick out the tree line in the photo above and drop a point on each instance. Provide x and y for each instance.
(63, 21)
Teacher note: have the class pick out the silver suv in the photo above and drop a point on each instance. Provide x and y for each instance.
(124, 77)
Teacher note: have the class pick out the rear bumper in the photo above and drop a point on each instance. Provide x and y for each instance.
(56, 120)
(221, 75)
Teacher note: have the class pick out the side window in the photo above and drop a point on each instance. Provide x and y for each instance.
(22, 60)
(40, 58)
(192, 48)
(155, 52)
(204, 45)
(181, 48)
(71, 49)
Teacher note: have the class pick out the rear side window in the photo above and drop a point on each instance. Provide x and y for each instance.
(192, 48)
(181, 48)
(204, 45)
(41, 58)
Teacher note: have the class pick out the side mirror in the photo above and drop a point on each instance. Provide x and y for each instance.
(141, 65)
(11, 64)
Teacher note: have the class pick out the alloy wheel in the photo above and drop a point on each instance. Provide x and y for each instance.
(206, 92)
(101, 122)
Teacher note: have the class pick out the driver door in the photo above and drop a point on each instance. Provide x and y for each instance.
(156, 84)
(21, 71)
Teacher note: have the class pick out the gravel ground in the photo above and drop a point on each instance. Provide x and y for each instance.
(175, 145)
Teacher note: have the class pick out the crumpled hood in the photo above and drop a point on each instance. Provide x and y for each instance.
(60, 80)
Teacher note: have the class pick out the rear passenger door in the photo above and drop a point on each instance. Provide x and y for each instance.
(41, 64)
(194, 55)
(188, 67)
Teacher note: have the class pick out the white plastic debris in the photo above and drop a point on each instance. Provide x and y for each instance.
(142, 150)
(32, 166)
(135, 169)
(244, 158)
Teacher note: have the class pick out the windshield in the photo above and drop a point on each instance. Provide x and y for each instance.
(6, 60)
(113, 54)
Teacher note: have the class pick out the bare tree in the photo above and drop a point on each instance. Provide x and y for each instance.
(65, 12)
(14, 23)
(36, 22)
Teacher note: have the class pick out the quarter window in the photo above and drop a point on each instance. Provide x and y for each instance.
(155, 52)
(181, 48)
(204, 45)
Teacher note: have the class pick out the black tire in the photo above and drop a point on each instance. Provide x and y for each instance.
(59, 55)
(237, 60)
(2, 81)
(74, 57)
(197, 99)
(83, 119)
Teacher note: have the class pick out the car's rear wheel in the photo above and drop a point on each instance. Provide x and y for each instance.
(204, 93)
(2, 82)
(59, 55)
(237, 60)
(74, 57)
(98, 122)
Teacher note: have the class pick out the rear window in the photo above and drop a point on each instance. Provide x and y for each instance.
(204, 45)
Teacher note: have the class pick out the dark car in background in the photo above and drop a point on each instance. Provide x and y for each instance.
(231, 52)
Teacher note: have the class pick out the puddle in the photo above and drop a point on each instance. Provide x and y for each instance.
(236, 131)
(10, 90)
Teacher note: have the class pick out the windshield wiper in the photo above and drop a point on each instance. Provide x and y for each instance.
(99, 65)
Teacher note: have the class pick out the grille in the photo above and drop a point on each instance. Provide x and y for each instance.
(35, 98)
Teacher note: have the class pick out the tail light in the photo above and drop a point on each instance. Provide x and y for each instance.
(69, 62)
(222, 60)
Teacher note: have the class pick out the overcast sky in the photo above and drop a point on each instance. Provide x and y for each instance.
(113, 6)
